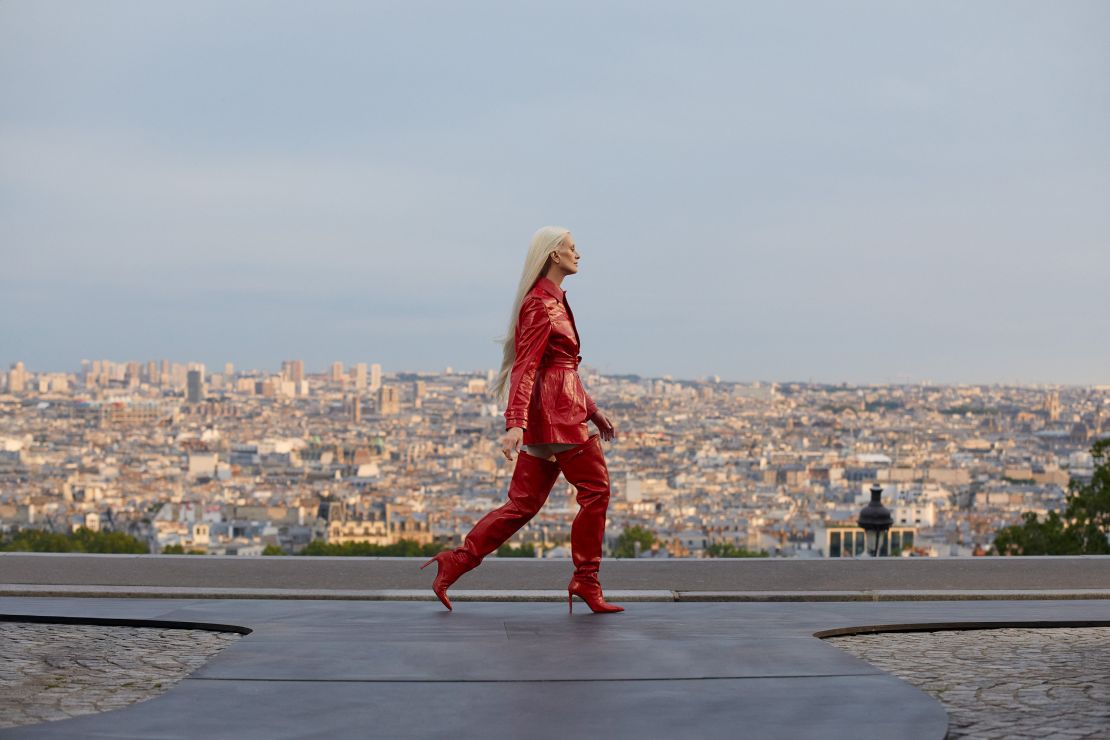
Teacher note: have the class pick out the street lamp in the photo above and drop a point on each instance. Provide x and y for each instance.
(875, 520)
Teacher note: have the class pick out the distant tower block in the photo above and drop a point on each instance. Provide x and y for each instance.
(17, 378)
(375, 377)
(1052, 406)
(336, 374)
(195, 389)
(292, 370)
(358, 376)
(356, 408)
(179, 374)
(389, 400)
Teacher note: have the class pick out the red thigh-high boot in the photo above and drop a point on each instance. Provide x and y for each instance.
(584, 468)
(532, 481)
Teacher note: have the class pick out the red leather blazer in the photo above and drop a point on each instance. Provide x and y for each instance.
(546, 396)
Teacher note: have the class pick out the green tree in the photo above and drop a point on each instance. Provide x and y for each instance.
(1083, 528)
(1089, 503)
(729, 550)
(272, 550)
(118, 542)
(37, 540)
(401, 548)
(526, 550)
(1034, 537)
(180, 550)
(626, 543)
(82, 540)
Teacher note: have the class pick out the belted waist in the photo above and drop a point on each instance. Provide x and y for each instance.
(563, 362)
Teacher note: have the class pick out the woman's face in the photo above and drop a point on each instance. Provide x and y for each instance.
(566, 255)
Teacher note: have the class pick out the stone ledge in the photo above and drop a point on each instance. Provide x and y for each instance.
(861, 577)
(175, 624)
(892, 595)
(461, 594)
(907, 627)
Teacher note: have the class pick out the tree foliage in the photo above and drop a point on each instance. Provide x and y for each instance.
(1083, 528)
(626, 543)
(1089, 503)
(729, 550)
(401, 548)
(526, 550)
(82, 540)
(180, 550)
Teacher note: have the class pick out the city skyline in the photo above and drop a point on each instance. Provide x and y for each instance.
(854, 193)
(326, 368)
(237, 464)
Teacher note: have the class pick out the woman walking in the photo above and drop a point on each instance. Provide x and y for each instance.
(545, 419)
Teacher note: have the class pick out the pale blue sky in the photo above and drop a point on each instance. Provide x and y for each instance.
(838, 191)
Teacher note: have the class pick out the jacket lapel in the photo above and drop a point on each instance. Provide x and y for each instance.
(577, 342)
(555, 292)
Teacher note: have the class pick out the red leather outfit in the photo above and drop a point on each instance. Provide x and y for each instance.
(546, 395)
(547, 399)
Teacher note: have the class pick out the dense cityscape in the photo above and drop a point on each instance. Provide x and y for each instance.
(247, 462)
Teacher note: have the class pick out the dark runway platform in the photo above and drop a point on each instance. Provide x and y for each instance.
(378, 669)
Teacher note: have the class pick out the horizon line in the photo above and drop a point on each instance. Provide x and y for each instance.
(667, 377)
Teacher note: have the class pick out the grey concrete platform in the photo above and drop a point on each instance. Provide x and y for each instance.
(508, 670)
(725, 579)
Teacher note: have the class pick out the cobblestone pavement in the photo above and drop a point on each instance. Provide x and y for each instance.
(56, 671)
(1046, 683)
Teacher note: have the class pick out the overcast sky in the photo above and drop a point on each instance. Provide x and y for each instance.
(837, 191)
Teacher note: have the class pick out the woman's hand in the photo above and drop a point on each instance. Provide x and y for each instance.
(510, 443)
(608, 431)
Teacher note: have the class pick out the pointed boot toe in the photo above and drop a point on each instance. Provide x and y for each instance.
(589, 590)
(451, 566)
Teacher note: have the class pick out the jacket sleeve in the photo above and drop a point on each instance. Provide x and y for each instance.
(532, 332)
(591, 407)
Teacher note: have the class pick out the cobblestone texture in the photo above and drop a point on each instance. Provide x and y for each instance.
(1048, 684)
(56, 671)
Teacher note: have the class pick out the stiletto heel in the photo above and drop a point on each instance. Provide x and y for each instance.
(570, 603)
(589, 590)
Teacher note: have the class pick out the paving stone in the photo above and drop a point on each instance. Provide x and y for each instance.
(57, 671)
(1004, 683)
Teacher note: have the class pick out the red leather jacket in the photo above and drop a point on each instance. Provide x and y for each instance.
(546, 396)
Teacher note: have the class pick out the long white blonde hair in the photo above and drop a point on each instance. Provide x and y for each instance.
(536, 262)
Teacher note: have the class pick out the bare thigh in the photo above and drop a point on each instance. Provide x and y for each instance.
(547, 452)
